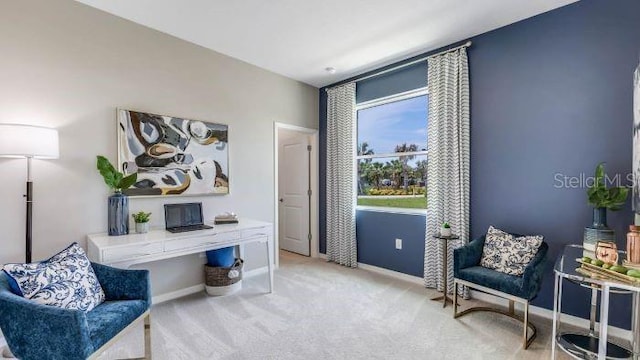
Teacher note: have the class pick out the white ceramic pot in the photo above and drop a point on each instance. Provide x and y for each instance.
(445, 231)
(142, 228)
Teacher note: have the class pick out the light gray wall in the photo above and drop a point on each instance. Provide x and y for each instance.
(68, 66)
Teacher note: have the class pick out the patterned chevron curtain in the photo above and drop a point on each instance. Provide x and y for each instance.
(341, 214)
(448, 169)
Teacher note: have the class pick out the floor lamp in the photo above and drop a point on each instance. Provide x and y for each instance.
(30, 142)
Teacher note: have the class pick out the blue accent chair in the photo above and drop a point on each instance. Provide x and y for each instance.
(35, 331)
(522, 289)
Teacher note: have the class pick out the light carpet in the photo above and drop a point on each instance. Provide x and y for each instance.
(320, 310)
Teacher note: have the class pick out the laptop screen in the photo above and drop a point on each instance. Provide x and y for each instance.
(177, 215)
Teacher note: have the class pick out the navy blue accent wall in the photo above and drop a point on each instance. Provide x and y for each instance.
(394, 82)
(550, 96)
(377, 232)
(553, 95)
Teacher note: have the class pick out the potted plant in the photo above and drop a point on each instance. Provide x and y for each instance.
(141, 219)
(602, 198)
(445, 229)
(118, 217)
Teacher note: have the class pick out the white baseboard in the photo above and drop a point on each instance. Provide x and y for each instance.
(534, 310)
(391, 273)
(159, 299)
(255, 272)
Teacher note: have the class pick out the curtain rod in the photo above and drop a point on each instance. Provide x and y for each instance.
(382, 72)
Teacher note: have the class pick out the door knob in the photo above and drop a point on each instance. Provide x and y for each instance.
(281, 200)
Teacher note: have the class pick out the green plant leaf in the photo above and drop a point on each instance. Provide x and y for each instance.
(127, 181)
(141, 217)
(600, 175)
(107, 171)
(598, 195)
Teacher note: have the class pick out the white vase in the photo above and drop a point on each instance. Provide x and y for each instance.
(142, 228)
(445, 231)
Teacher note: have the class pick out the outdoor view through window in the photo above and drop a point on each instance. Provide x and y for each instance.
(392, 154)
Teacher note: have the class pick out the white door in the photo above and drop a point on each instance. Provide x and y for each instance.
(293, 188)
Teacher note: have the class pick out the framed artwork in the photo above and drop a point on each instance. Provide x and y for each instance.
(172, 155)
(636, 140)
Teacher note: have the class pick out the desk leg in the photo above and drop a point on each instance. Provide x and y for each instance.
(604, 322)
(269, 266)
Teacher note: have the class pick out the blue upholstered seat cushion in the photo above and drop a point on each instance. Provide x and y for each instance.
(507, 253)
(66, 280)
(496, 280)
(109, 318)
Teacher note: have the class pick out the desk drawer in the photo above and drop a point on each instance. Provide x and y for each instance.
(188, 243)
(131, 251)
(257, 232)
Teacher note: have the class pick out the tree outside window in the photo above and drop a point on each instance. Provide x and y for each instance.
(391, 154)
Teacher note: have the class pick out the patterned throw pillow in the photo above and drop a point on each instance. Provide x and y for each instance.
(508, 254)
(66, 280)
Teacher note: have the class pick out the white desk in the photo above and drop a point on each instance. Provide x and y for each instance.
(126, 250)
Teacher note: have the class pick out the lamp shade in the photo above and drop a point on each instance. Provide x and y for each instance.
(28, 141)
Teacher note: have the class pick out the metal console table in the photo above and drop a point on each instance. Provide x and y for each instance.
(593, 344)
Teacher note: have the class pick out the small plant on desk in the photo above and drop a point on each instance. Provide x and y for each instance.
(141, 219)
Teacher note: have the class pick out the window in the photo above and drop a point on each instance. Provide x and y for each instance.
(392, 156)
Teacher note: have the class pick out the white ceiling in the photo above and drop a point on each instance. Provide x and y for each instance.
(300, 38)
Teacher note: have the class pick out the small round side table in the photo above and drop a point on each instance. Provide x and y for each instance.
(444, 242)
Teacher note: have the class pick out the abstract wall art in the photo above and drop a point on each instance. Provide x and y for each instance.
(172, 155)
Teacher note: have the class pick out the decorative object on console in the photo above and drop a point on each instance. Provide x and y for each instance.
(173, 156)
(118, 217)
(602, 198)
(66, 280)
(633, 245)
(226, 218)
(445, 230)
(607, 251)
(141, 219)
(31, 142)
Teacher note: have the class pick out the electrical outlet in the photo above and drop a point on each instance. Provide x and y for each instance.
(398, 244)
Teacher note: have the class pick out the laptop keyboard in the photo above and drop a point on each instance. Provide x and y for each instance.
(189, 228)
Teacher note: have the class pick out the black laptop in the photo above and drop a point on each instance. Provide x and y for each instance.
(184, 217)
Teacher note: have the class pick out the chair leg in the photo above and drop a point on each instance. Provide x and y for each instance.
(147, 337)
(525, 343)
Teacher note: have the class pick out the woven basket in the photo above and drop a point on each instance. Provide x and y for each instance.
(223, 276)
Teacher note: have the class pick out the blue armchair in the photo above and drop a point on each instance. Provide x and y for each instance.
(468, 272)
(35, 331)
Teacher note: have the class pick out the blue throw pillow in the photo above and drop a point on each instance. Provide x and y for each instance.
(66, 280)
(13, 285)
